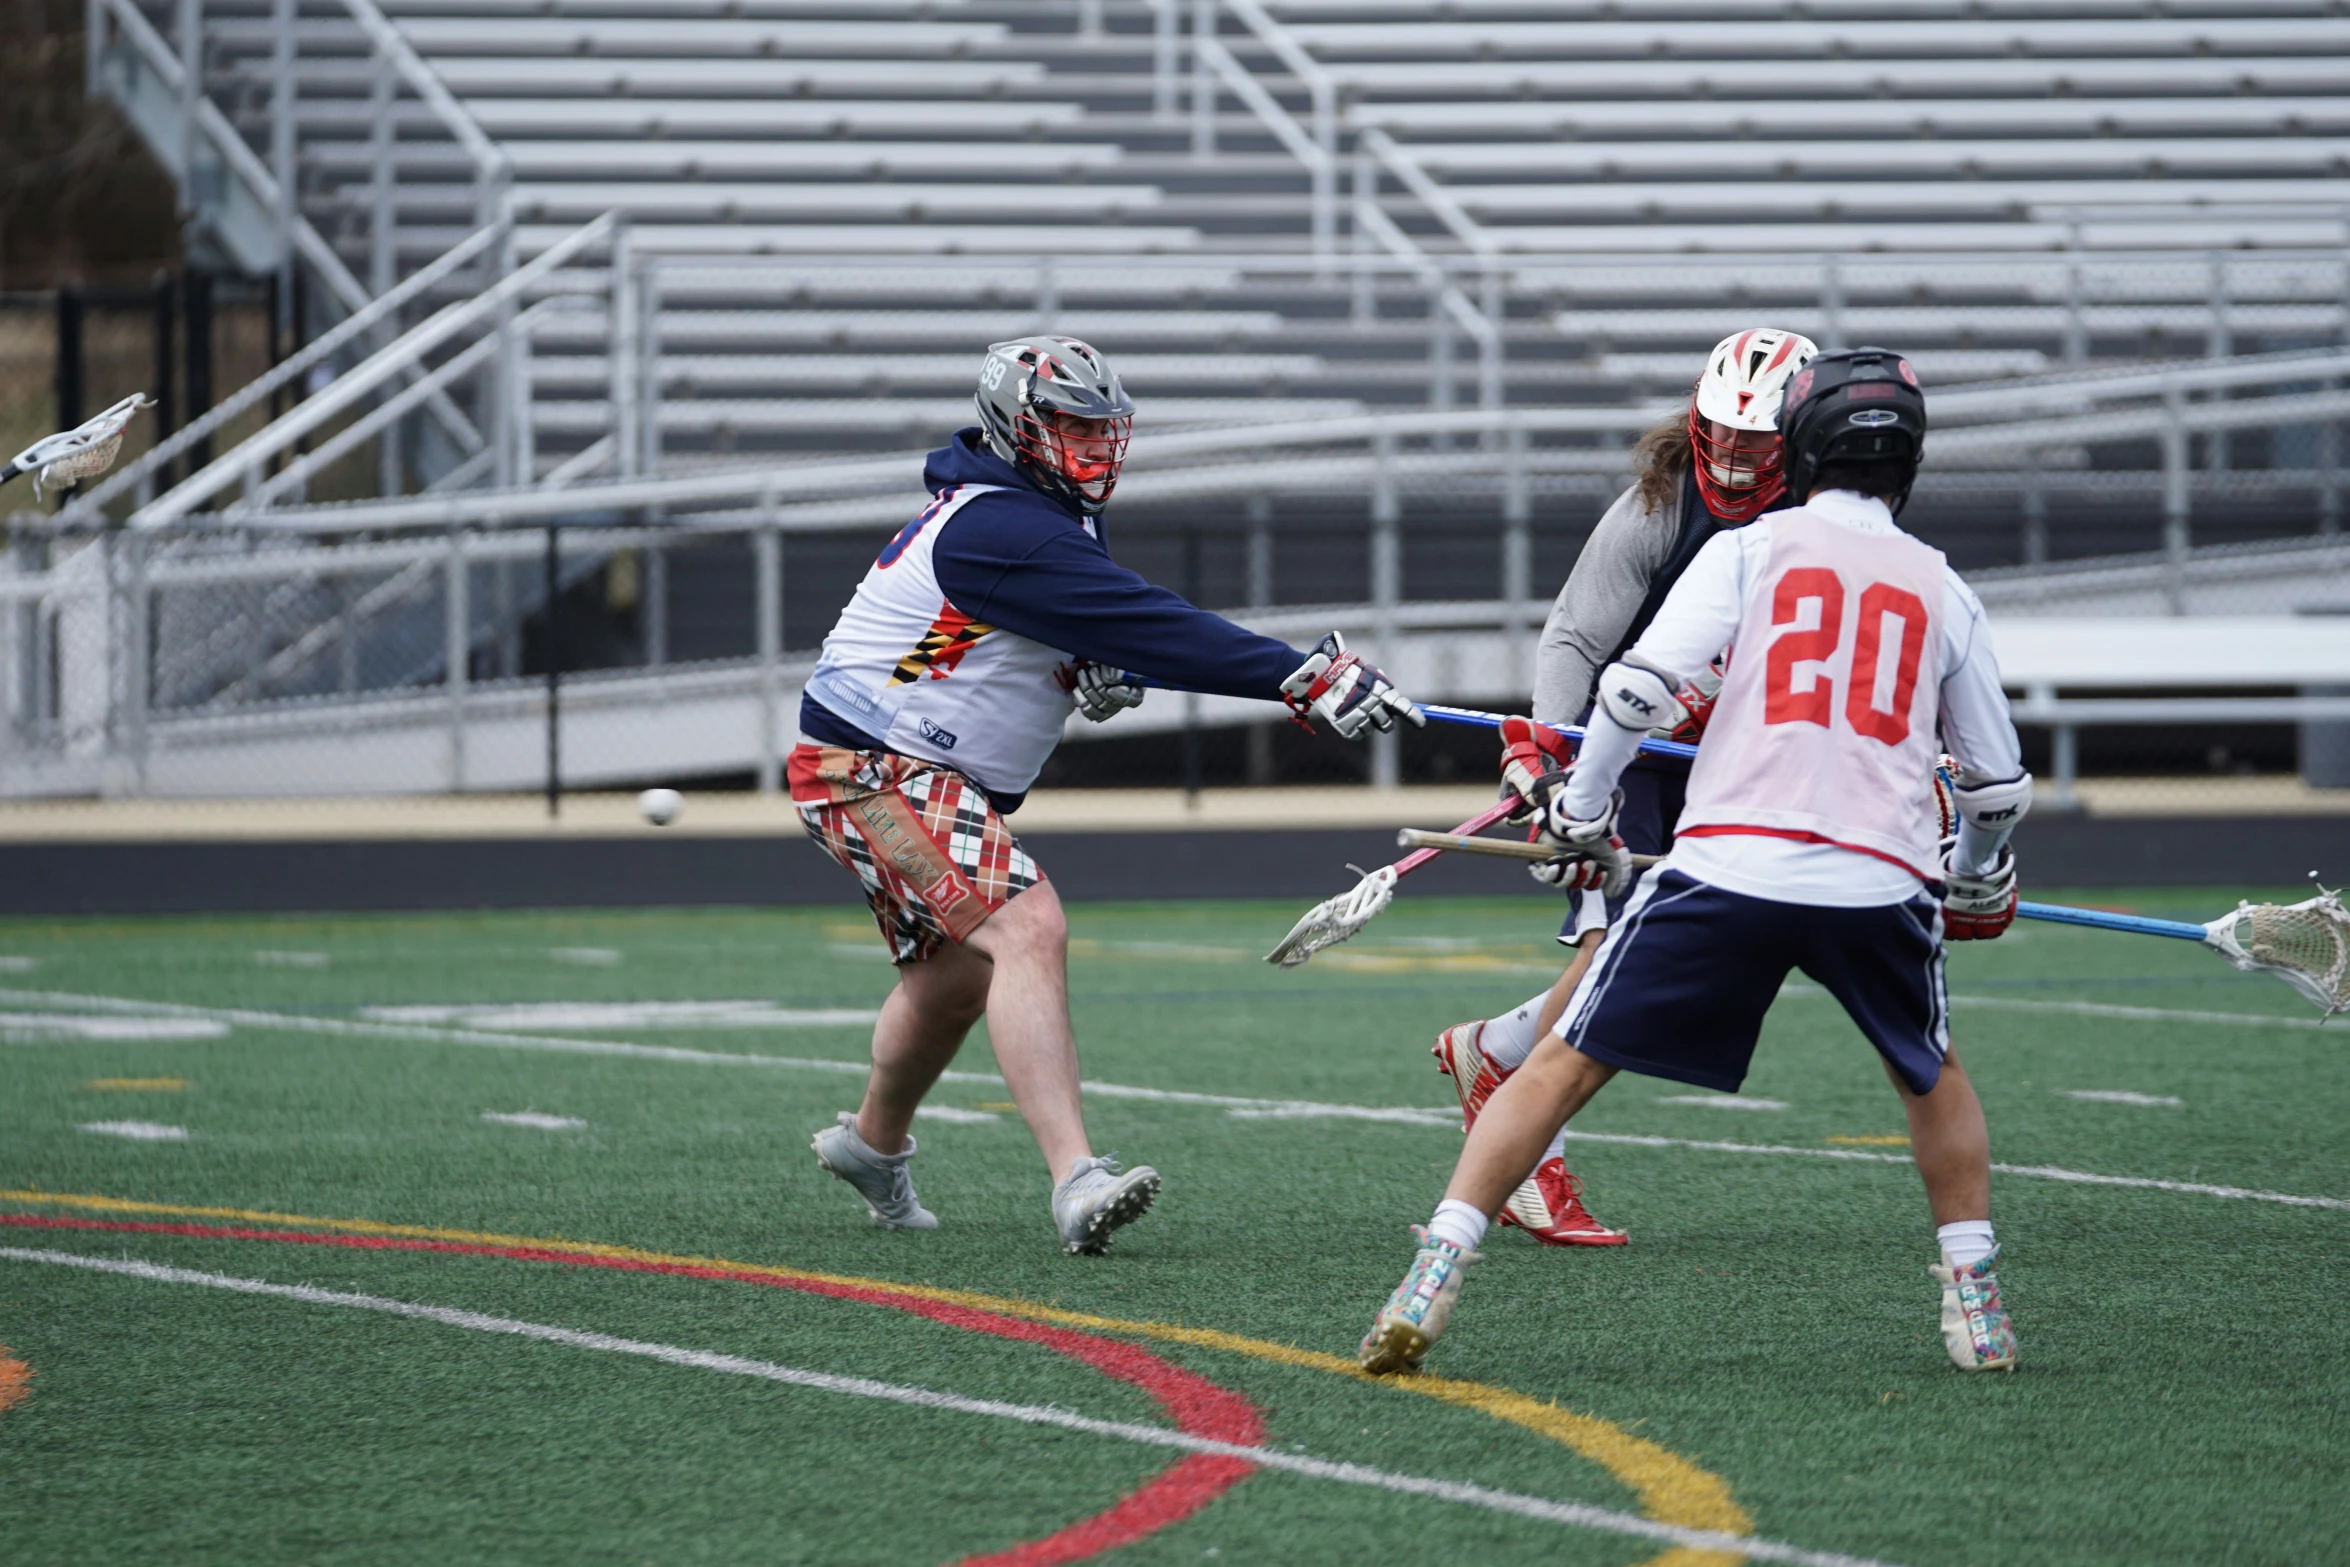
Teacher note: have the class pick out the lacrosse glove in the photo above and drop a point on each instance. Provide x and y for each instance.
(1591, 856)
(1530, 752)
(1346, 693)
(1103, 693)
(1977, 907)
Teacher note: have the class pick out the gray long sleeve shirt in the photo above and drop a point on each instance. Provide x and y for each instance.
(1603, 593)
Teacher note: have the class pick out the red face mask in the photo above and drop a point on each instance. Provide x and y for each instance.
(1086, 452)
(1739, 472)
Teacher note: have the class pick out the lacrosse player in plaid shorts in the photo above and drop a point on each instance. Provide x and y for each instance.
(941, 691)
(1808, 841)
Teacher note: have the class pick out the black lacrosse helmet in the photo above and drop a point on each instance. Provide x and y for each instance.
(1853, 405)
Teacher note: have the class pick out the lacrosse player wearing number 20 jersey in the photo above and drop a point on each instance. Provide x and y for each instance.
(1808, 841)
(941, 691)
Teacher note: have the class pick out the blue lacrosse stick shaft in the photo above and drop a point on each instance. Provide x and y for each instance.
(2133, 924)
(1470, 715)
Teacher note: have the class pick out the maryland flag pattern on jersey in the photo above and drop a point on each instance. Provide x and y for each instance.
(952, 635)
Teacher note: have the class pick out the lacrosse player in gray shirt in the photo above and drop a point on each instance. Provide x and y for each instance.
(1716, 465)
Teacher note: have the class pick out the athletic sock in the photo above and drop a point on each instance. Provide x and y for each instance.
(1966, 1242)
(1557, 1148)
(1509, 1039)
(1458, 1223)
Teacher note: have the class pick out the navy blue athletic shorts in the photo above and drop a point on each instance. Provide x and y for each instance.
(1681, 983)
(1655, 788)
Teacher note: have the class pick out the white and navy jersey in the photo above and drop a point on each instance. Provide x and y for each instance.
(962, 643)
(1855, 645)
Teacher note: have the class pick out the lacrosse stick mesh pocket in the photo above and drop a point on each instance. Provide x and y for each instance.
(1333, 920)
(80, 465)
(2305, 944)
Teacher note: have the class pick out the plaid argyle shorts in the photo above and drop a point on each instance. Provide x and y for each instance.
(932, 855)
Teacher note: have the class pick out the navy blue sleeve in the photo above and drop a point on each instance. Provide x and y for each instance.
(1034, 572)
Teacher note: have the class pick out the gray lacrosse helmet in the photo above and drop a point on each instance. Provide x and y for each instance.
(1027, 386)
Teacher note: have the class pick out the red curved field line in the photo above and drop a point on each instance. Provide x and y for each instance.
(1195, 1404)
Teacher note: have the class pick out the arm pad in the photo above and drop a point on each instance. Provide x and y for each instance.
(1638, 696)
(1987, 813)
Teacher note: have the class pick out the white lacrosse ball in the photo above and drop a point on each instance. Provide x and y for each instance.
(660, 806)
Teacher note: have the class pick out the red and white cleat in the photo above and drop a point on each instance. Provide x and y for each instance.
(1548, 1205)
(1474, 1078)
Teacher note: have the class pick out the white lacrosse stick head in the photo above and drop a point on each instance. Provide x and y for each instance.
(2306, 944)
(1335, 919)
(88, 448)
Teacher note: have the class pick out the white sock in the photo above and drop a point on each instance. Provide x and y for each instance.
(1459, 1223)
(1557, 1148)
(1966, 1242)
(1509, 1039)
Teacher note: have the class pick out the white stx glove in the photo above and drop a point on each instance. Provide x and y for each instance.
(1345, 692)
(1591, 856)
(1103, 693)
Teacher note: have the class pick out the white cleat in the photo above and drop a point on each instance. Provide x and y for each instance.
(880, 1178)
(1096, 1199)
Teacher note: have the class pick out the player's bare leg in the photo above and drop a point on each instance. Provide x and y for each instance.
(1555, 1007)
(922, 1025)
(1520, 1120)
(1026, 943)
(1479, 1056)
(1952, 1145)
(1513, 1133)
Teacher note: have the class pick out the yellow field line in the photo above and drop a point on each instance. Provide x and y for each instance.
(1671, 1488)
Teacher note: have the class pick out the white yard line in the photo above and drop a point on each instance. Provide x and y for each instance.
(2123, 1096)
(1573, 1514)
(534, 1118)
(1724, 1101)
(138, 1131)
(1244, 1108)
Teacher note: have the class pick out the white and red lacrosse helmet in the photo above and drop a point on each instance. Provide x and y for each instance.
(1734, 420)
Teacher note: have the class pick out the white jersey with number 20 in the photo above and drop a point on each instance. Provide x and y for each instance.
(1858, 655)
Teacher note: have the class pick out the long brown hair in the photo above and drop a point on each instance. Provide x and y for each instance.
(1660, 458)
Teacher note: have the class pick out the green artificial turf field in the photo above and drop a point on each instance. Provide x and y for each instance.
(1762, 1358)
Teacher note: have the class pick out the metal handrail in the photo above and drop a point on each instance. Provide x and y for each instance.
(282, 374)
(248, 167)
(1166, 456)
(403, 356)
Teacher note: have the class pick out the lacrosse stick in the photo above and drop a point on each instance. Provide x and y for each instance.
(1335, 919)
(88, 448)
(1484, 720)
(2306, 944)
(1503, 848)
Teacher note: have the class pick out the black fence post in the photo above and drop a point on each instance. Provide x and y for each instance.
(198, 362)
(554, 592)
(166, 406)
(69, 357)
(1191, 736)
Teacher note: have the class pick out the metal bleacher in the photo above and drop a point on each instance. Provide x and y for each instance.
(1395, 284)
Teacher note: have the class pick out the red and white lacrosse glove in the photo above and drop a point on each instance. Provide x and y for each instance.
(1697, 696)
(1103, 693)
(1346, 693)
(1591, 857)
(1977, 907)
(1530, 752)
